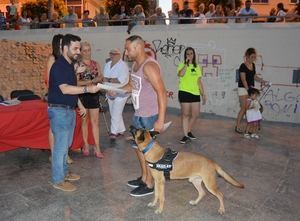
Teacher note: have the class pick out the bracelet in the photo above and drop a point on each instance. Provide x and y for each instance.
(85, 89)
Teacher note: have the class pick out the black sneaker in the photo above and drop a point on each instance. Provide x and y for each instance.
(185, 139)
(191, 136)
(135, 183)
(238, 130)
(142, 190)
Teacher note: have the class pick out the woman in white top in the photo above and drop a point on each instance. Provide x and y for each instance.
(140, 15)
(281, 12)
(116, 72)
(24, 21)
(101, 18)
(201, 16)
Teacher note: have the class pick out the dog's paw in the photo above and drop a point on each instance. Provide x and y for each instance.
(221, 211)
(151, 204)
(158, 211)
(193, 202)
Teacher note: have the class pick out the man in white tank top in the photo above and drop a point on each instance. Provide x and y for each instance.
(150, 102)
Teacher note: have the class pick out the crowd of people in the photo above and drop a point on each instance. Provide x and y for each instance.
(12, 19)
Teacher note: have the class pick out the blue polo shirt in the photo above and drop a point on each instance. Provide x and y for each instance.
(62, 72)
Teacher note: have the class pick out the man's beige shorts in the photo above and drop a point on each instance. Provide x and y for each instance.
(242, 91)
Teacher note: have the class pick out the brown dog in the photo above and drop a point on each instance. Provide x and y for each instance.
(195, 167)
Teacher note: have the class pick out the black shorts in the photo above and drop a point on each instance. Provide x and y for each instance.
(90, 101)
(186, 97)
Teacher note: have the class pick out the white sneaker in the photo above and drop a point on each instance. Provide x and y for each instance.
(256, 136)
(247, 136)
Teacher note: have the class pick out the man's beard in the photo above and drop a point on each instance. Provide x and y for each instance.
(73, 57)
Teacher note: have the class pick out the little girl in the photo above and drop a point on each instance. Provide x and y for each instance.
(253, 114)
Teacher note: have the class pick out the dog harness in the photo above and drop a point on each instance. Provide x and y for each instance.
(165, 164)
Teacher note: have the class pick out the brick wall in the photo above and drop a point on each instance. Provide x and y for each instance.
(23, 66)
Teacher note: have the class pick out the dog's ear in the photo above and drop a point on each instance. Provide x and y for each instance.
(141, 137)
(153, 134)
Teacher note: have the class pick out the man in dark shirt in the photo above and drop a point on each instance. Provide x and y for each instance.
(186, 12)
(86, 20)
(62, 100)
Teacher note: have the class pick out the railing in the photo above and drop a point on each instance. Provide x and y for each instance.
(151, 21)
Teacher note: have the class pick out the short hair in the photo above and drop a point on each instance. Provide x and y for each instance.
(56, 45)
(252, 91)
(248, 1)
(66, 41)
(135, 38)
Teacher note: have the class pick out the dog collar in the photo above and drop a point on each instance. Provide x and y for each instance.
(148, 147)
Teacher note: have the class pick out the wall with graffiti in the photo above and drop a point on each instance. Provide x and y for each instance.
(220, 49)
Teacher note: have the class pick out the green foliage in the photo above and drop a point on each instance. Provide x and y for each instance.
(36, 8)
(113, 6)
(238, 3)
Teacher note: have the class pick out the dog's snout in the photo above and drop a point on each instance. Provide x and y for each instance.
(132, 130)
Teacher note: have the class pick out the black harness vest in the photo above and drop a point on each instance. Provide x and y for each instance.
(165, 164)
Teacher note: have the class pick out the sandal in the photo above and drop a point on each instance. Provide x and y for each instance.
(98, 154)
(85, 151)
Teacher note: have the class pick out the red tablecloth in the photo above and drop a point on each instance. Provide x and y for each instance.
(27, 125)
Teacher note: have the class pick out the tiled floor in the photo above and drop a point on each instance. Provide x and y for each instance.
(269, 168)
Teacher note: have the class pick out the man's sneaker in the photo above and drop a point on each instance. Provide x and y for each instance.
(185, 139)
(142, 190)
(256, 136)
(191, 136)
(135, 183)
(72, 177)
(65, 186)
(247, 136)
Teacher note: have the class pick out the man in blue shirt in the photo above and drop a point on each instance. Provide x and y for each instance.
(62, 100)
(3, 25)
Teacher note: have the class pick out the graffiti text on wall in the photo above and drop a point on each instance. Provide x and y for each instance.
(169, 49)
(280, 102)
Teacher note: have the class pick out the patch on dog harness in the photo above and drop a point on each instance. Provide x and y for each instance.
(165, 164)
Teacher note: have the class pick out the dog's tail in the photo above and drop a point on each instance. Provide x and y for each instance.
(228, 178)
